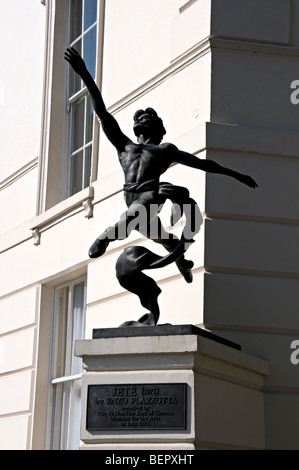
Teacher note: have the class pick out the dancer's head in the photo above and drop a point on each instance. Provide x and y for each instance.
(148, 124)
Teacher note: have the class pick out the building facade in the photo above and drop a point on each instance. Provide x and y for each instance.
(223, 75)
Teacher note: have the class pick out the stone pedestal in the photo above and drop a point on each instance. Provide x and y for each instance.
(169, 388)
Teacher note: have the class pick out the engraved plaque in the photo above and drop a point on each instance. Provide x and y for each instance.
(136, 407)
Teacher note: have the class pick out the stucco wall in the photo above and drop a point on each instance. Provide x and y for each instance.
(22, 32)
(225, 97)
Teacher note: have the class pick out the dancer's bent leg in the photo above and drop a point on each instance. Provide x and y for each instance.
(135, 216)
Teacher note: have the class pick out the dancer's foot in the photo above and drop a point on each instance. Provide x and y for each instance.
(148, 319)
(98, 248)
(132, 323)
(185, 266)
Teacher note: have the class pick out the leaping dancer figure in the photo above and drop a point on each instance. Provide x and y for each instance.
(143, 163)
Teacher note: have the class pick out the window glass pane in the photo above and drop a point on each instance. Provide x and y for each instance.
(76, 172)
(60, 332)
(89, 50)
(65, 416)
(89, 120)
(90, 13)
(77, 117)
(75, 82)
(57, 400)
(75, 19)
(83, 37)
(68, 402)
(78, 324)
(87, 169)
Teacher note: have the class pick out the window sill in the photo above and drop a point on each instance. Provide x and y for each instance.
(81, 201)
(69, 378)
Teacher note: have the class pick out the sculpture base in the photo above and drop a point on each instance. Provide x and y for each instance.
(169, 387)
(161, 330)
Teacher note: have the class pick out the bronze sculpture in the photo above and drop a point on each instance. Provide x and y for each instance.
(143, 163)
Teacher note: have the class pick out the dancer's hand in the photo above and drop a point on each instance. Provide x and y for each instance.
(75, 60)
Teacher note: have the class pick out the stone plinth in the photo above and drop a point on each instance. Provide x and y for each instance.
(169, 388)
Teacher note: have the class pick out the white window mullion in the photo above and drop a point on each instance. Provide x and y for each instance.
(69, 378)
(84, 134)
(69, 160)
(69, 332)
(77, 95)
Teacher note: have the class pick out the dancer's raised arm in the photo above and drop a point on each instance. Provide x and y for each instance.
(109, 123)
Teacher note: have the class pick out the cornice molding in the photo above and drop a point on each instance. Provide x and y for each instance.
(205, 46)
(19, 174)
(254, 47)
(176, 65)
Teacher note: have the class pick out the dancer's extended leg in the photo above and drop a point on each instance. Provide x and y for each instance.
(169, 241)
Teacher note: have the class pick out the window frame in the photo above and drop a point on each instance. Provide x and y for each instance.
(56, 403)
(53, 171)
(72, 99)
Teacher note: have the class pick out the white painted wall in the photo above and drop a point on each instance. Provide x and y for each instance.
(246, 269)
(22, 27)
(18, 340)
(22, 30)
